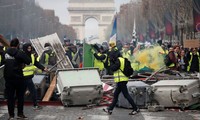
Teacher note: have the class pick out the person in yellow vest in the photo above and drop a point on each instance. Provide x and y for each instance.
(194, 61)
(117, 65)
(74, 50)
(48, 57)
(99, 59)
(28, 73)
(112, 45)
(126, 52)
(113, 48)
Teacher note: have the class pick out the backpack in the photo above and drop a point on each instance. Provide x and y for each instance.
(128, 70)
(167, 60)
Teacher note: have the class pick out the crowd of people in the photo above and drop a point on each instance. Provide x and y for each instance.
(19, 69)
(21, 64)
(184, 60)
(180, 59)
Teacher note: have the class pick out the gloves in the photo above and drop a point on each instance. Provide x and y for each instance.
(46, 69)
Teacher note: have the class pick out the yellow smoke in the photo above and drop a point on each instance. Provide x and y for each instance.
(150, 57)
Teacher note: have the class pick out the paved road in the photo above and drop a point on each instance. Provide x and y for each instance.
(77, 113)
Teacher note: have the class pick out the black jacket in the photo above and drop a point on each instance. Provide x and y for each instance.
(114, 65)
(15, 61)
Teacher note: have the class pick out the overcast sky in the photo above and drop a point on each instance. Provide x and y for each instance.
(60, 7)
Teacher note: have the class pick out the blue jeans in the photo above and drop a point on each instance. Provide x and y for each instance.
(31, 87)
(121, 87)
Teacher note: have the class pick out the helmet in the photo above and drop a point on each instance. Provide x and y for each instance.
(112, 43)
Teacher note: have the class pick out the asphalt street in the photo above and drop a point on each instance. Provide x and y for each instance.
(77, 113)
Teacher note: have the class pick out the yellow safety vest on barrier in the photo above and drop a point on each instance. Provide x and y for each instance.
(30, 69)
(118, 75)
(190, 62)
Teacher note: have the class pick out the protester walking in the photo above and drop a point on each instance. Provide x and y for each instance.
(117, 65)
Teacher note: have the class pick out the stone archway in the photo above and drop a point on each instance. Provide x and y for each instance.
(91, 27)
(80, 10)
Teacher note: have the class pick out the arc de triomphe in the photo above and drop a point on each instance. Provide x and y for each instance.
(81, 10)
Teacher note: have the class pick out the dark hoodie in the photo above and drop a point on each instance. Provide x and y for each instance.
(114, 61)
(37, 64)
(15, 61)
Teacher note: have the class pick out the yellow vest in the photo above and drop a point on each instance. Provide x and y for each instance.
(30, 69)
(47, 56)
(46, 59)
(126, 54)
(99, 64)
(118, 75)
(38, 58)
(190, 62)
(171, 65)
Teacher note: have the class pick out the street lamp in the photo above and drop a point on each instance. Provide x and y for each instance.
(182, 22)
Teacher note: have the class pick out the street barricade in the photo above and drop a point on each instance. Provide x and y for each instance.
(176, 93)
(79, 86)
(140, 93)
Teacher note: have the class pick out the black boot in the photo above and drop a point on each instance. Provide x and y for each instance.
(109, 112)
